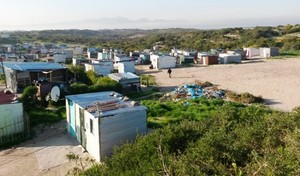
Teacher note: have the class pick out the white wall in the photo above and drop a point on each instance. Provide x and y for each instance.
(126, 67)
(104, 68)
(93, 142)
(252, 52)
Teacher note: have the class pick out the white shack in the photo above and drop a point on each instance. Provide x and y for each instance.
(124, 67)
(269, 52)
(101, 68)
(11, 118)
(225, 58)
(127, 80)
(160, 62)
(103, 120)
(252, 52)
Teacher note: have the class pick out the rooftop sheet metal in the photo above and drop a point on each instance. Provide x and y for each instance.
(32, 66)
(119, 76)
(85, 100)
(6, 98)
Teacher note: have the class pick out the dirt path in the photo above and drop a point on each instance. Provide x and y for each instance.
(43, 155)
(278, 81)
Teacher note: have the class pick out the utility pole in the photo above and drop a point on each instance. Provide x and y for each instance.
(3, 70)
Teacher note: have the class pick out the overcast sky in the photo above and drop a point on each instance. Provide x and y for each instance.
(146, 14)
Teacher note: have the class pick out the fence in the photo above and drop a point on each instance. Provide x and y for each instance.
(15, 132)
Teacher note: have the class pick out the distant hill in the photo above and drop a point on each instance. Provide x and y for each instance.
(202, 40)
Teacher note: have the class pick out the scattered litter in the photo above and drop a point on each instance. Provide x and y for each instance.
(193, 91)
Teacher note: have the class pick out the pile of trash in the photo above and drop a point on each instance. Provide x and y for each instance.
(193, 91)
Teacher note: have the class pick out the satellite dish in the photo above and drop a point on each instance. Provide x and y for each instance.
(55, 93)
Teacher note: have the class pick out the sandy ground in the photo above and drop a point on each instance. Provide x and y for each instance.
(43, 155)
(278, 81)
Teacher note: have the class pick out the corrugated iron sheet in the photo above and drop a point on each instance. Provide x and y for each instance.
(32, 66)
(120, 128)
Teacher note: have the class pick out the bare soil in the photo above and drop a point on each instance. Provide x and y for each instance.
(277, 81)
(44, 155)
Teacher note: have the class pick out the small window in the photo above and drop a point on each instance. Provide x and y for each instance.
(91, 126)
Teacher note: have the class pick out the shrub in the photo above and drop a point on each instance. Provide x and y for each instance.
(28, 98)
(237, 140)
(42, 116)
(92, 76)
(79, 74)
(78, 88)
(105, 84)
(148, 80)
(244, 97)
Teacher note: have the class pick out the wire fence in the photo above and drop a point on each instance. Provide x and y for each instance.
(14, 132)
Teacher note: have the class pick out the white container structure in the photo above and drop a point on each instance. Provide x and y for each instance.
(225, 58)
(161, 62)
(124, 67)
(103, 120)
(78, 61)
(269, 52)
(104, 56)
(252, 52)
(127, 80)
(101, 68)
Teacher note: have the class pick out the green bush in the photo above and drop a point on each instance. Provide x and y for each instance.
(78, 88)
(28, 98)
(105, 84)
(102, 84)
(92, 76)
(42, 116)
(148, 80)
(237, 140)
(79, 74)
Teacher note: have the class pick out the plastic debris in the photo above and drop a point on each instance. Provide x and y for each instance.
(193, 91)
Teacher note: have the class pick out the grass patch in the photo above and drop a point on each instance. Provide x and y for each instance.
(42, 116)
(148, 93)
(287, 54)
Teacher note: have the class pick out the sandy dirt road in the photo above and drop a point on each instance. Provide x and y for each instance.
(43, 155)
(278, 81)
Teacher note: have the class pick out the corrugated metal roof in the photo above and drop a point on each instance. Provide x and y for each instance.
(85, 100)
(119, 76)
(32, 66)
(6, 98)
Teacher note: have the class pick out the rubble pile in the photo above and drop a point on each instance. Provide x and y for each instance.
(193, 91)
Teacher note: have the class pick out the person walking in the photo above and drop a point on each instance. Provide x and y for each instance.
(169, 72)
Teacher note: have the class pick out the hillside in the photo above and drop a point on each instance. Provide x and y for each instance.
(202, 40)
